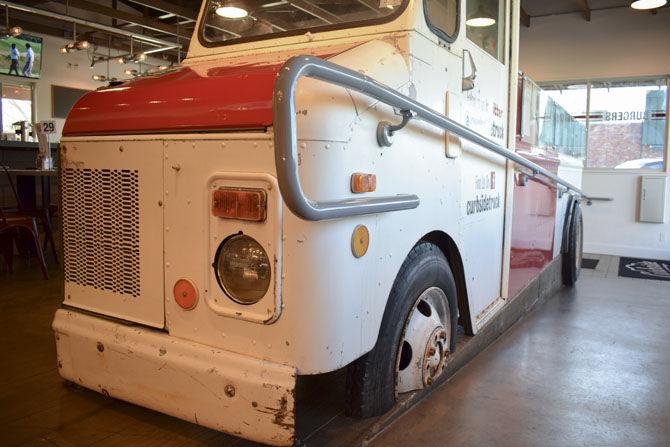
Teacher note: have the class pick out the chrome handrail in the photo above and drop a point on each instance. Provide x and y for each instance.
(286, 146)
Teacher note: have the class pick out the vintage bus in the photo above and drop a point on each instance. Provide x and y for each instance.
(320, 185)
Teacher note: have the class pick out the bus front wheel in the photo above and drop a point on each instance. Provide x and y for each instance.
(417, 334)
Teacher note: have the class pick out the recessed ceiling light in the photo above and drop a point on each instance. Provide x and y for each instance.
(648, 4)
(480, 22)
(480, 18)
(231, 12)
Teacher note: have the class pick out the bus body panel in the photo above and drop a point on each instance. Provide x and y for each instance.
(324, 307)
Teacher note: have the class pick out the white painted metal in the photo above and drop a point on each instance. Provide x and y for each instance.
(513, 23)
(220, 390)
(116, 155)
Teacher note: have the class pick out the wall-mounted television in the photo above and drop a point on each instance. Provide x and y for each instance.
(21, 56)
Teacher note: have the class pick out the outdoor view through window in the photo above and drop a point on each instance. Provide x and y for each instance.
(16, 105)
(608, 124)
(229, 21)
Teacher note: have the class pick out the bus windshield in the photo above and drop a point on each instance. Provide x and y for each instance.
(232, 21)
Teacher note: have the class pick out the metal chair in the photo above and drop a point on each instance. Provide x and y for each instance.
(45, 216)
(13, 224)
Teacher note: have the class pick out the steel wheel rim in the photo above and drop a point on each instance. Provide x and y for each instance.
(423, 350)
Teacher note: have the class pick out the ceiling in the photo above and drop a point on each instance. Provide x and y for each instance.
(174, 20)
(543, 8)
(170, 21)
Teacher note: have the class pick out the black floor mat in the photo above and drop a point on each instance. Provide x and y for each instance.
(590, 263)
(644, 268)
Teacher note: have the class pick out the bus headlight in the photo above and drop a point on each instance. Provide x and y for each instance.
(243, 269)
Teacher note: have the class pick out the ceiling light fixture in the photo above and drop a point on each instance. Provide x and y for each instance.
(11, 31)
(78, 45)
(648, 4)
(231, 12)
(14, 31)
(101, 78)
(480, 19)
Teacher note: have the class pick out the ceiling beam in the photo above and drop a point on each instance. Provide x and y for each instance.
(144, 22)
(164, 6)
(63, 30)
(524, 18)
(372, 6)
(586, 10)
(314, 10)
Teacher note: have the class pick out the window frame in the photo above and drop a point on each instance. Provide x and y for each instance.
(439, 32)
(291, 33)
(589, 85)
(506, 30)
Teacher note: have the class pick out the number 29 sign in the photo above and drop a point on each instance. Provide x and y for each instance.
(47, 127)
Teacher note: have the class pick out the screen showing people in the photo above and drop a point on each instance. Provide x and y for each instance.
(21, 56)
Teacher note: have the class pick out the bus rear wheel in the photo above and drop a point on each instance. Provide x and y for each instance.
(572, 258)
(416, 337)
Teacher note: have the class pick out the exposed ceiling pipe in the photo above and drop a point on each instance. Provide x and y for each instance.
(167, 45)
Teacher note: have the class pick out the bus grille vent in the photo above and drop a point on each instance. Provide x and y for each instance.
(101, 229)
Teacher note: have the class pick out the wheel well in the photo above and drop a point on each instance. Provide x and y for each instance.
(453, 255)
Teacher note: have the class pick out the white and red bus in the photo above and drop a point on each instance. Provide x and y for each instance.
(320, 185)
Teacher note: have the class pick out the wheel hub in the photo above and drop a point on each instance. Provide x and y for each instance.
(434, 356)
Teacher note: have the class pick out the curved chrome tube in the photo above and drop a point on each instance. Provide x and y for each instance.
(286, 147)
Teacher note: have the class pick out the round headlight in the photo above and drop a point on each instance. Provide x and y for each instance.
(243, 269)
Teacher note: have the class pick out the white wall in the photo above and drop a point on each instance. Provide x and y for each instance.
(616, 43)
(612, 227)
(67, 70)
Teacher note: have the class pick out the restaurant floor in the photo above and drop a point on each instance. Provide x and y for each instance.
(589, 367)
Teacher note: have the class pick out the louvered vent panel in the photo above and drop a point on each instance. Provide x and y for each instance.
(101, 229)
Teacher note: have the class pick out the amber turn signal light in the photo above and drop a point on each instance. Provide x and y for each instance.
(361, 182)
(243, 204)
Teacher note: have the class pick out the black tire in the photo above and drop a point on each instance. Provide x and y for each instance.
(572, 257)
(371, 379)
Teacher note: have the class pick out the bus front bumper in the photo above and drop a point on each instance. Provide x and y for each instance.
(229, 392)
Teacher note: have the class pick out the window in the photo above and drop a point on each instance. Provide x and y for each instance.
(627, 124)
(234, 21)
(485, 24)
(442, 17)
(17, 105)
(562, 118)
(623, 127)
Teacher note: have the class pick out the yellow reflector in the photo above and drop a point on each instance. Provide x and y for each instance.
(360, 241)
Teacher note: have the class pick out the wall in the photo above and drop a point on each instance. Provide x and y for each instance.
(68, 70)
(616, 43)
(612, 227)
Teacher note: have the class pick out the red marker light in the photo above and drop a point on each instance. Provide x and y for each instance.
(243, 204)
(185, 294)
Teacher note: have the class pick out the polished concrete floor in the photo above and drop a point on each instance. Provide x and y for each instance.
(590, 367)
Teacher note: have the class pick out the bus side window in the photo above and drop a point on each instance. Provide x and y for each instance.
(443, 18)
(485, 25)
